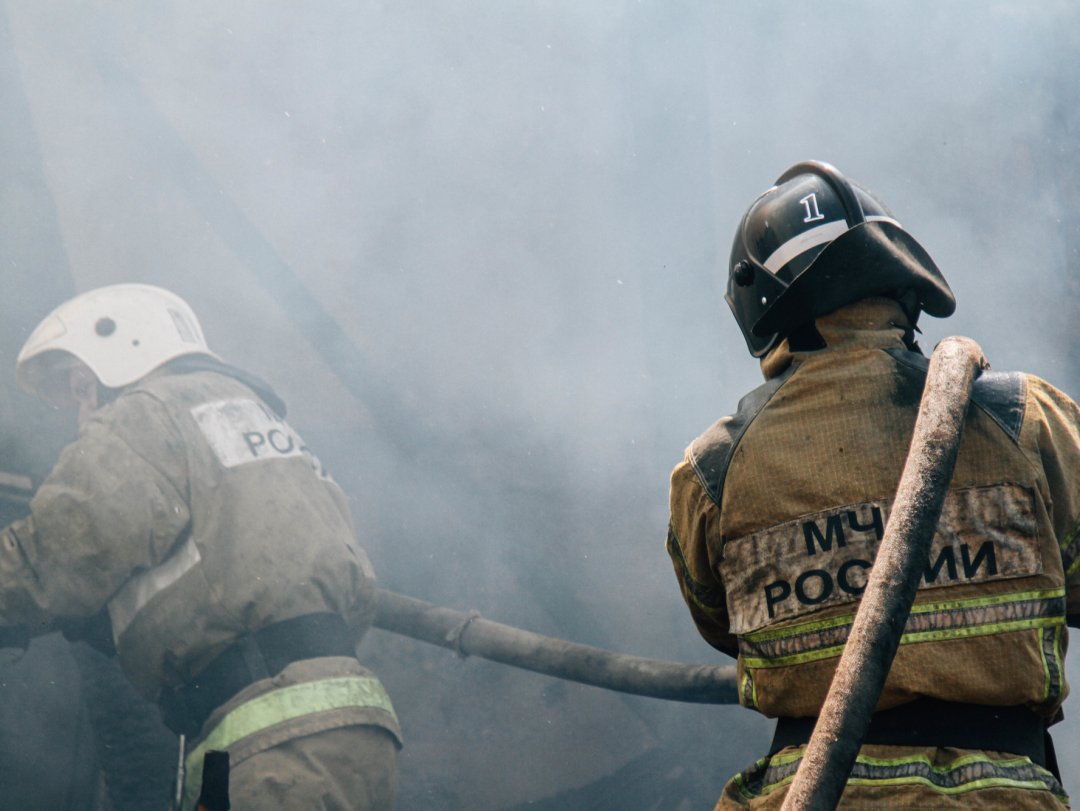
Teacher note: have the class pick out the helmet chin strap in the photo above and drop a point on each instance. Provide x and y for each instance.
(83, 387)
(805, 338)
(909, 340)
(909, 301)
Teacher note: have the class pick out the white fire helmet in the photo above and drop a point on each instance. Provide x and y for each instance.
(121, 332)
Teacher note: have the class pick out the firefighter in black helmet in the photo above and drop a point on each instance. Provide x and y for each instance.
(816, 241)
(777, 512)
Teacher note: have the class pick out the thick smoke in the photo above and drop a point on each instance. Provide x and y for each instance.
(477, 246)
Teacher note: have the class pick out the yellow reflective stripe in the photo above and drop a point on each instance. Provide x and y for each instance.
(740, 780)
(753, 663)
(277, 706)
(295, 701)
(985, 782)
(748, 691)
(1055, 654)
(911, 636)
(1046, 669)
(996, 599)
(938, 779)
(963, 760)
(770, 634)
(703, 596)
(1069, 536)
(1070, 551)
(960, 762)
(982, 630)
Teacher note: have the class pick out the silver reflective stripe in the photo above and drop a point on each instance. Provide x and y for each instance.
(811, 239)
(141, 589)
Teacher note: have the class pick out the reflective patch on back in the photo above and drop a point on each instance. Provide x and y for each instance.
(242, 430)
(824, 559)
(134, 595)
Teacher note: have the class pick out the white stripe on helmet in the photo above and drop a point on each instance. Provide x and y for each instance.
(801, 243)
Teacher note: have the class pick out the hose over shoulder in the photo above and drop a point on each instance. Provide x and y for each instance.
(890, 591)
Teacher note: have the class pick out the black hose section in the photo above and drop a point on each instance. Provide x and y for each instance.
(471, 635)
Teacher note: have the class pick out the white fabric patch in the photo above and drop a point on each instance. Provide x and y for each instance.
(824, 559)
(142, 588)
(242, 431)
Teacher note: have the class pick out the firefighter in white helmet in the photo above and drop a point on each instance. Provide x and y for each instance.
(777, 512)
(194, 520)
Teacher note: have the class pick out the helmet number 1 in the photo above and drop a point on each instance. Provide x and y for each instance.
(810, 204)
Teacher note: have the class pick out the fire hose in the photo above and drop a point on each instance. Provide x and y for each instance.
(470, 635)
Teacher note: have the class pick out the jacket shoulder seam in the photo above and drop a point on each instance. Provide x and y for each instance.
(711, 453)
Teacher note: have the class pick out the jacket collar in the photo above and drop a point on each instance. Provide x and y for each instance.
(872, 323)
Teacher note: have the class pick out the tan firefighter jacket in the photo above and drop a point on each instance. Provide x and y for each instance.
(194, 513)
(777, 511)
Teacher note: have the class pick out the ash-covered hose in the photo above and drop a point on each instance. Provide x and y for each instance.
(890, 591)
(471, 635)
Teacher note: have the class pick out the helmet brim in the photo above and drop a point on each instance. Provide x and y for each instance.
(872, 259)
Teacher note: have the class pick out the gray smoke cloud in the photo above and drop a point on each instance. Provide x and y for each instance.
(478, 248)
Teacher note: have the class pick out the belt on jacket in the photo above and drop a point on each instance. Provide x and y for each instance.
(930, 722)
(253, 657)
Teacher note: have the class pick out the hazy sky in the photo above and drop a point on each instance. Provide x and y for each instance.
(479, 248)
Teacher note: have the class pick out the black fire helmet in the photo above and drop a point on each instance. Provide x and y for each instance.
(816, 241)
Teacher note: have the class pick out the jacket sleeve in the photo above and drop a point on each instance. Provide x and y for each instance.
(110, 508)
(1058, 421)
(691, 541)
